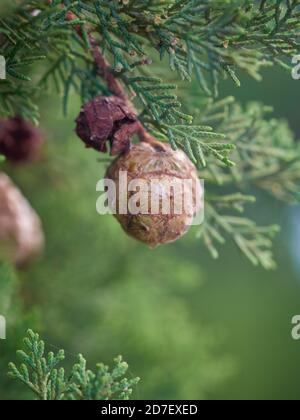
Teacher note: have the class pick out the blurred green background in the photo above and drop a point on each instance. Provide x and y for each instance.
(189, 326)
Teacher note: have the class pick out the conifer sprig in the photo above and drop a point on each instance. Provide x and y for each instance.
(266, 150)
(43, 375)
(211, 37)
(255, 242)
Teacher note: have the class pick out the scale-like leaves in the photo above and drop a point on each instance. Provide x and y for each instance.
(43, 375)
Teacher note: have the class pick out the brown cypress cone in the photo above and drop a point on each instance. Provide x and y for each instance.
(20, 141)
(149, 161)
(21, 235)
(107, 119)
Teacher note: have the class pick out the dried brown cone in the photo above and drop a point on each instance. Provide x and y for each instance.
(21, 235)
(107, 119)
(20, 141)
(157, 161)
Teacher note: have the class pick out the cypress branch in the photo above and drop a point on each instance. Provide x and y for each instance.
(111, 47)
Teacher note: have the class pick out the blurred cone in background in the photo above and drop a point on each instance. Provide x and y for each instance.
(21, 235)
(20, 141)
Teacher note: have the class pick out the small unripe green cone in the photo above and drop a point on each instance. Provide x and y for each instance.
(158, 167)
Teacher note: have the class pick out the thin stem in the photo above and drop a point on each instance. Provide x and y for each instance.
(114, 85)
(117, 89)
(104, 70)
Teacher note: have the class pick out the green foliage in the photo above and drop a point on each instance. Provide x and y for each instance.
(266, 149)
(211, 37)
(42, 374)
(210, 40)
(255, 242)
(268, 157)
(18, 319)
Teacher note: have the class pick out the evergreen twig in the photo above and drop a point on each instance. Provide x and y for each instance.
(42, 374)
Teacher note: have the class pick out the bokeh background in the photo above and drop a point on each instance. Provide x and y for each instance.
(189, 326)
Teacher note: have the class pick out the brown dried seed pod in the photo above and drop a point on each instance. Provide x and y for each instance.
(158, 166)
(107, 119)
(20, 141)
(21, 235)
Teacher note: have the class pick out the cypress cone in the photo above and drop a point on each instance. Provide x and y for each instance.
(20, 141)
(21, 235)
(149, 161)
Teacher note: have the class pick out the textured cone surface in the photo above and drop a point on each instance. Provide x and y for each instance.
(106, 120)
(21, 235)
(158, 166)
